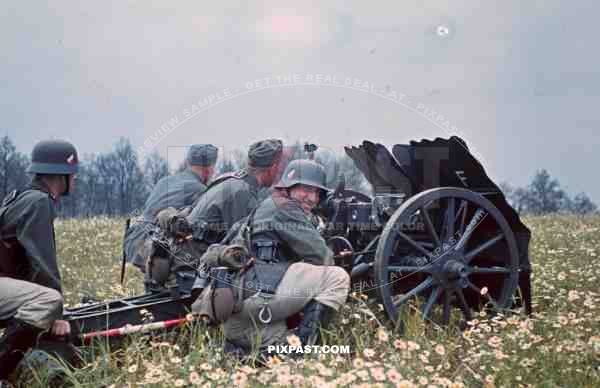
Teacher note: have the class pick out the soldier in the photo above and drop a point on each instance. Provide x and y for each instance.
(172, 264)
(30, 282)
(293, 261)
(232, 197)
(177, 191)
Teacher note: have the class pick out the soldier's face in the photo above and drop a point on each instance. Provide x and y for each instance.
(308, 196)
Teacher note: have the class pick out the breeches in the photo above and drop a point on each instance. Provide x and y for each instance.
(301, 283)
(31, 303)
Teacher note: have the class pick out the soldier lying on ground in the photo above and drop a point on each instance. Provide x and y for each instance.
(293, 269)
(30, 283)
(177, 191)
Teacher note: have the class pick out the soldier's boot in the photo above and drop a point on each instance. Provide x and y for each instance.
(234, 350)
(315, 316)
(17, 339)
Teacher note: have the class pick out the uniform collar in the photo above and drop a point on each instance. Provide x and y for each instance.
(37, 184)
(250, 179)
(193, 174)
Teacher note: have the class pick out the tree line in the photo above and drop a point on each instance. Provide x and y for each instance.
(544, 195)
(115, 184)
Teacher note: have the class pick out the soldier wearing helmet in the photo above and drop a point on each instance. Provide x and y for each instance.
(231, 197)
(177, 191)
(30, 282)
(294, 270)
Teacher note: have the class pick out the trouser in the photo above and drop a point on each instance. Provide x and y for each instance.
(301, 283)
(28, 309)
(28, 302)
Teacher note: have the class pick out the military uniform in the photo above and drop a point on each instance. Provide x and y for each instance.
(293, 257)
(232, 197)
(176, 191)
(27, 227)
(30, 284)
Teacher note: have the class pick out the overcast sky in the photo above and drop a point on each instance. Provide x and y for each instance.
(518, 80)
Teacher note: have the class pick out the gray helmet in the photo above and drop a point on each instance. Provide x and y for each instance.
(54, 157)
(304, 172)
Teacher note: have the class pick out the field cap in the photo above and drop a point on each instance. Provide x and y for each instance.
(202, 155)
(262, 152)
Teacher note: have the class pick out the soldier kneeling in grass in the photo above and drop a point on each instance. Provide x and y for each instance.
(31, 299)
(290, 269)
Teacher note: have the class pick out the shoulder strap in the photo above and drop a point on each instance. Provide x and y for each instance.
(249, 228)
(6, 202)
(10, 197)
(239, 229)
(241, 174)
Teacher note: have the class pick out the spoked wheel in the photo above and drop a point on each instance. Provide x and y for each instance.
(446, 250)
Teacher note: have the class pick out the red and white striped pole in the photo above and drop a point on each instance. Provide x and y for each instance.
(131, 329)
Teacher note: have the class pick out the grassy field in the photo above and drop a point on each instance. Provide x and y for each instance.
(558, 346)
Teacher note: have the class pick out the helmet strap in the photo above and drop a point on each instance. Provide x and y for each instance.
(67, 185)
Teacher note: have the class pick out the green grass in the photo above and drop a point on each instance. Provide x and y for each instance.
(558, 346)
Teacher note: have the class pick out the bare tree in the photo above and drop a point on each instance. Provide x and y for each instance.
(121, 178)
(582, 205)
(104, 164)
(89, 189)
(545, 194)
(131, 188)
(155, 168)
(507, 189)
(521, 200)
(13, 166)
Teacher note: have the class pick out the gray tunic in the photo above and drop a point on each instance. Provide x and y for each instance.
(178, 191)
(28, 226)
(281, 219)
(225, 203)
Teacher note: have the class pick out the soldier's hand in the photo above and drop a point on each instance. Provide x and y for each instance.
(61, 328)
(180, 226)
(165, 217)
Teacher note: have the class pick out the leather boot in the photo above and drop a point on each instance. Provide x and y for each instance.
(17, 339)
(234, 350)
(315, 316)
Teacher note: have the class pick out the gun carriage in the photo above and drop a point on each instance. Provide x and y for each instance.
(436, 230)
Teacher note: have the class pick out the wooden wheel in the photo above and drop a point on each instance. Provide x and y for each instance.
(461, 255)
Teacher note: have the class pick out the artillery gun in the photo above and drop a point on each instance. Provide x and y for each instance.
(436, 229)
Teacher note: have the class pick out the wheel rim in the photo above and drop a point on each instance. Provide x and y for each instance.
(447, 265)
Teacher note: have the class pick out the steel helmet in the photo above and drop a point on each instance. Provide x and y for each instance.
(54, 157)
(304, 172)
